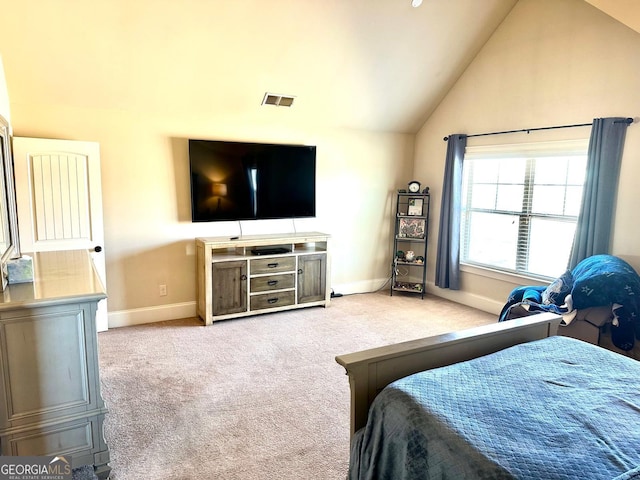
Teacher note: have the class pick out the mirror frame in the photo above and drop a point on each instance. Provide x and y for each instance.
(8, 201)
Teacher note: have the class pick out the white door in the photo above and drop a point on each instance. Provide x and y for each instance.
(59, 199)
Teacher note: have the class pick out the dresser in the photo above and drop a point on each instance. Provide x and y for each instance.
(50, 400)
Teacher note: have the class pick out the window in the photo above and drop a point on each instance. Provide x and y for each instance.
(520, 205)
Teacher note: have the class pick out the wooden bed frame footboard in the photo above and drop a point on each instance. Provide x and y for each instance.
(371, 370)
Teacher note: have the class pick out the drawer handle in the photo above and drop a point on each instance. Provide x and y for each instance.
(272, 300)
(271, 283)
(272, 265)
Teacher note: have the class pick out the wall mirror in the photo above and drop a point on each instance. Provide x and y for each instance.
(9, 243)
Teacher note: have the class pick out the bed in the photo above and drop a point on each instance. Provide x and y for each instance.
(472, 404)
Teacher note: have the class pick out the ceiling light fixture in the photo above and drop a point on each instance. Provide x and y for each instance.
(416, 3)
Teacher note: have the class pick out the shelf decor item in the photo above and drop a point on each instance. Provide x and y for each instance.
(415, 207)
(412, 228)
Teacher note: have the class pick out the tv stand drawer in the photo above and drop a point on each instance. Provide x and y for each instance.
(272, 265)
(272, 300)
(272, 282)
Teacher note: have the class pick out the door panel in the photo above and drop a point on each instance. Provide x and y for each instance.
(312, 277)
(59, 199)
(229, 287)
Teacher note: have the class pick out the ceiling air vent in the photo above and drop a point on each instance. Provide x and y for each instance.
(277, 100)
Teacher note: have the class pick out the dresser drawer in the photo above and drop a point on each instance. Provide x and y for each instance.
(272, 300)
(77, 437)
(272, 265)
(272, 282)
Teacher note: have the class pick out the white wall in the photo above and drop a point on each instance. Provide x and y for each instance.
(551, 62)
(149, 234)
(5, 110)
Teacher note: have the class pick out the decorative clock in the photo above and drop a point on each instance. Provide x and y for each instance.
(414, 186)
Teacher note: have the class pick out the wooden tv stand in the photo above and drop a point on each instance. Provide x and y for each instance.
(261, 274)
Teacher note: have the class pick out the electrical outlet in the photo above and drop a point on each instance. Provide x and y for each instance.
(163, 290)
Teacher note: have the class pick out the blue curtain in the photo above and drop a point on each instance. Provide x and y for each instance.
(593, 232)
(448, 254)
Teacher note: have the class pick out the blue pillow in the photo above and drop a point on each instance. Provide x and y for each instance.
(558, 289)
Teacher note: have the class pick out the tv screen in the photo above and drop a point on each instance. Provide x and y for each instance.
(251, 181)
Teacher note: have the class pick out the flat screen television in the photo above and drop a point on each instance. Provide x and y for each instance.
(251, 181)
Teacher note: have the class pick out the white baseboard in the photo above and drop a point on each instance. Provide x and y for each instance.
(138, 316)
(469, 299)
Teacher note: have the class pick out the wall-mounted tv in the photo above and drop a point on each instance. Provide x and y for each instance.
(251, 181)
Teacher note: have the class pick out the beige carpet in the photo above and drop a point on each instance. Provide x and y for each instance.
(255, 398)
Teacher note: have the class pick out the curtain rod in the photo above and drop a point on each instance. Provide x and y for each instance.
(527, 130)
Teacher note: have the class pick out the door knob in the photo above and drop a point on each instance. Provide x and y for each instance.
(97, 249)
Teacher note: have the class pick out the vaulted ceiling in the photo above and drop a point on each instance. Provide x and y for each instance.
(625, 11)
(378, 65)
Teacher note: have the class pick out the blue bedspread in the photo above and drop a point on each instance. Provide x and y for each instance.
(556, 408)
